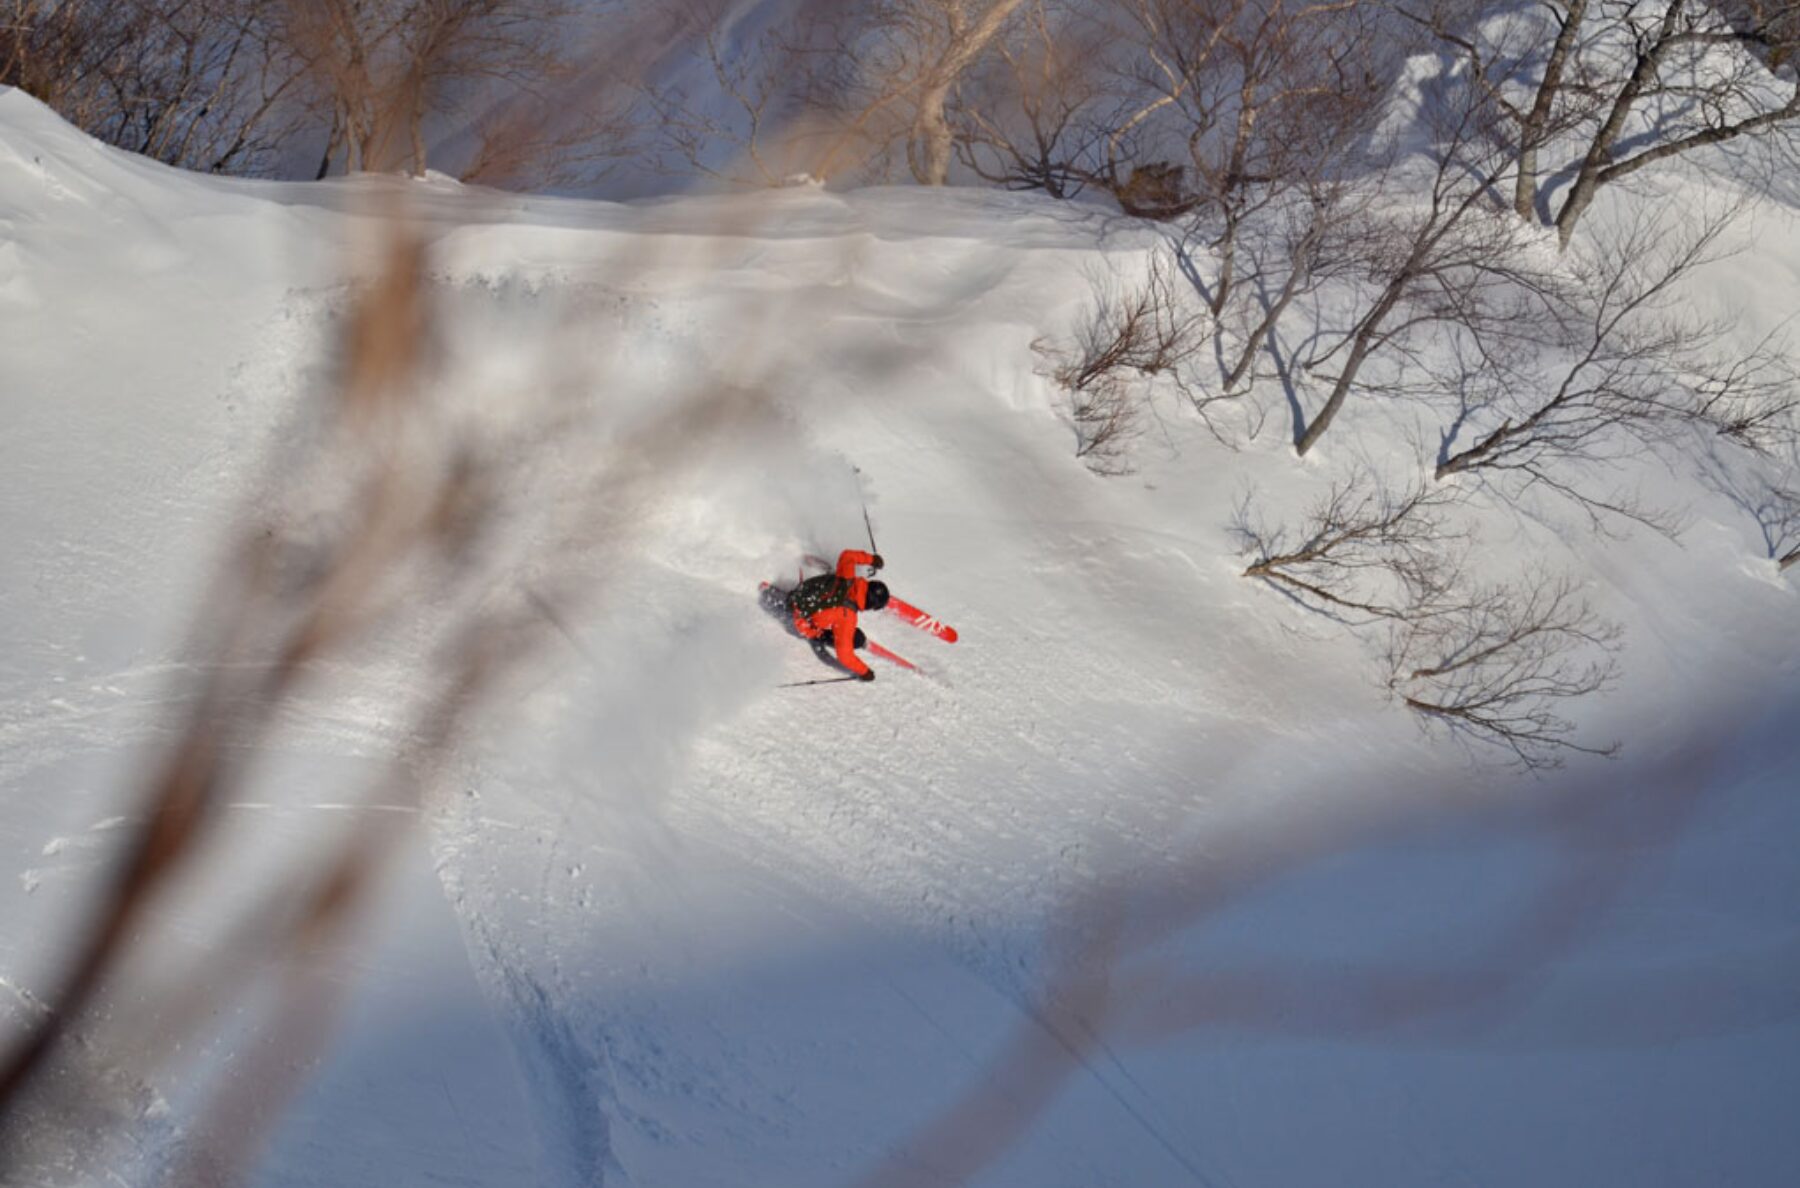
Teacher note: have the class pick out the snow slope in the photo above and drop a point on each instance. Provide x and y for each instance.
(1143, 883)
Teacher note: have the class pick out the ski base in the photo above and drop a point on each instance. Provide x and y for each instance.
(915, 617)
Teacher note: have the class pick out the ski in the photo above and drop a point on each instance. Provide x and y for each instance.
(918, 618)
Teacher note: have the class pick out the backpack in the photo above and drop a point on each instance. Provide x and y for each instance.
(821, 593)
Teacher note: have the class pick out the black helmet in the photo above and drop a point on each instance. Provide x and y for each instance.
(877, 596)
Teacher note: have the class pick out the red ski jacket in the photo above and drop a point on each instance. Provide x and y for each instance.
(840, 621)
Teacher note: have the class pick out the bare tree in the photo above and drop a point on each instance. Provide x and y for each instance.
(343, 44)
(1033, 114)
(529, 141)
(1639, 369)
(1776, 509)
(1364, 548)
(1494, 660)
(1107, 417)
(1542, 120)
(280, 607)
(1262, 95)
(1781, 526)
(1454, 262)
(1301, 242)
(201, 84)
(965, 30)
(1768, 491)
(763, 86)
(1274, 117)
(1726, 74)
(1707, 73)
(460, 53)
(1752, 397)
(896, 65)
(1500, 665)
(1145, 328)
(1179, 46)
(381, 67)
(1130, 331)
(389, 512)
(1502, 56)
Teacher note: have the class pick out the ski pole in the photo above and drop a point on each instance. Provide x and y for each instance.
(871, 529)
(824, 681)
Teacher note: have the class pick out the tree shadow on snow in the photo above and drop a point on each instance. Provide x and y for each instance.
(1308, 993)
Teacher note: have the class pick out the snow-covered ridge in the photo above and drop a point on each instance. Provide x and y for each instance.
(670, 924)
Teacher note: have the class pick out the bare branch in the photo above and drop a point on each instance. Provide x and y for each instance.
(1499, 666)
(1363, 548)
(1494, 660)
(201, 84)
(1144, 330)
(1639, 369)
(1454, 260)
(1731, 73)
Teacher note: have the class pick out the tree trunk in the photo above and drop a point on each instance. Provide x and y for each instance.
(1227, 260)
(331, 147)
(1263, 329)
(1359, 351)
(1258, 336)
(1456, 463)
(1228, 190)
(1525, 188)
(1599, 152)
(932, 137)
(416, 126)
(929, 150)
(1300, 264)
(1533, 130)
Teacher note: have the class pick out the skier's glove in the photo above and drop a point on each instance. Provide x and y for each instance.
(876, 562)
(866, 676)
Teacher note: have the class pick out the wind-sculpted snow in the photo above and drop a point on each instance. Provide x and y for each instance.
(1143, 881)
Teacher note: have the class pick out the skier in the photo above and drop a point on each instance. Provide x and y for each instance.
(826, 607)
